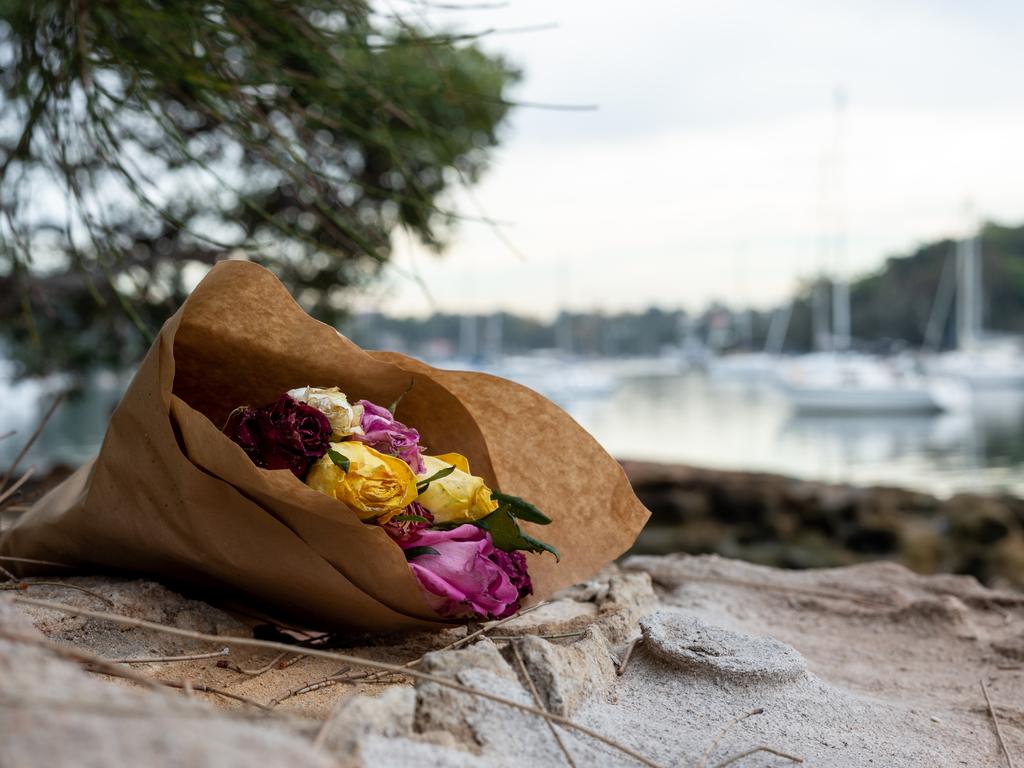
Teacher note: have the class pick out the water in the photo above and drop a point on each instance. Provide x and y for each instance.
(673, 417)
(692, 419)
(74, 432)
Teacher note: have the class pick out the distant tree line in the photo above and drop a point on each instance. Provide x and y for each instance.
(890, 310)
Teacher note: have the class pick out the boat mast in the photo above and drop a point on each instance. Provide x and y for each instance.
(968, 306)
(840, 284)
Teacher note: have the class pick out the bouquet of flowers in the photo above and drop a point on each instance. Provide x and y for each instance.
(311, 509)
(460, 537)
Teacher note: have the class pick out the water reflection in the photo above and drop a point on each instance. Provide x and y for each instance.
(693, 419)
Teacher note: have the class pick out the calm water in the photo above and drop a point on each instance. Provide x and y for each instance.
(678, 418)
(691, 419)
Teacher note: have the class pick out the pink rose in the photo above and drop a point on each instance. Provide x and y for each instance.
(383, 432)
(465, 578)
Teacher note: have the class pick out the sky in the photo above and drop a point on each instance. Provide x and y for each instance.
(717, 165)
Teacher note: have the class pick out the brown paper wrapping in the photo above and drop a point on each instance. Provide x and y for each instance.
(172, 498)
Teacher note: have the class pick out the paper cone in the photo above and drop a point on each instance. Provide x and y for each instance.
(172, 498)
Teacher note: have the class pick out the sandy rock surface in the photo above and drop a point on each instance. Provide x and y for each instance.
(858, 666)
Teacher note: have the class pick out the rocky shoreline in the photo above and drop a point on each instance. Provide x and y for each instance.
(791, 523)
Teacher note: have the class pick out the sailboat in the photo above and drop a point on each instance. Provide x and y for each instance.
(980, 362)
(837, 380)
(851, 383)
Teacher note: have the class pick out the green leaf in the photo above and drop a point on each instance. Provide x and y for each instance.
(412, 552)
(422, 485)
(506, 535)
(394, 406)
(339, 459)
(521, 508)
(409, 519)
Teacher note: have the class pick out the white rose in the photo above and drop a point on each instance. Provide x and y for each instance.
(344, 416)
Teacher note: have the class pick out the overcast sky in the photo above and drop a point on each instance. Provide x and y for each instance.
(701, 174)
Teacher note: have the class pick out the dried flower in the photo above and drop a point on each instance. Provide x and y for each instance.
(388, 435)
(285, 434)
(463, 575)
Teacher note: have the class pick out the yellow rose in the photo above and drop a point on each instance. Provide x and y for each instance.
(376, 486)
(456, 498)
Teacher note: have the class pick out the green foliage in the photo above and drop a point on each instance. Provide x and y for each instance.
(142, 140)
(521, 508)
(340, 460)
(892, 307)
(422, 485)
(412, 552)
(506, 534)
(408, 519)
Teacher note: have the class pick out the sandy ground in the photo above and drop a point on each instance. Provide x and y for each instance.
(868, 665)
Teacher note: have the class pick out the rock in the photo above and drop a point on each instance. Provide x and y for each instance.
(560, 615)
(360, 718)
(483, 655)
(136, 598)
(567, 675)
(628, 597)
(792, 523)
(56, 715)
(383, 752)
(615, 601)
(479, 724)
(442, 709)
(688, 642)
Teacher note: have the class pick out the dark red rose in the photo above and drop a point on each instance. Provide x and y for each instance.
(402, 530)
(514, 566)
(285, 434)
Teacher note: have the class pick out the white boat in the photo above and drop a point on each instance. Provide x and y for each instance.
(987, 367)
(855, 384)
(980, 361)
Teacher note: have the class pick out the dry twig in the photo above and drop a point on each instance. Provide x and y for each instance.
(21, 481)
(32, 561)
(11, 433)
(187, 686)
(552, 636)
(31, 440)
(22, 585)
(259, 670)
(461, 641)
(326, 682)
(484, 630)
(345, 658)
(621, 668)
(721, 734)
(755, 750)
(167, 659)
(77, 654)
(540, 704)
(995, 724)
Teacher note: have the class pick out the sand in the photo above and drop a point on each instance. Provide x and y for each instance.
(860, 666)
